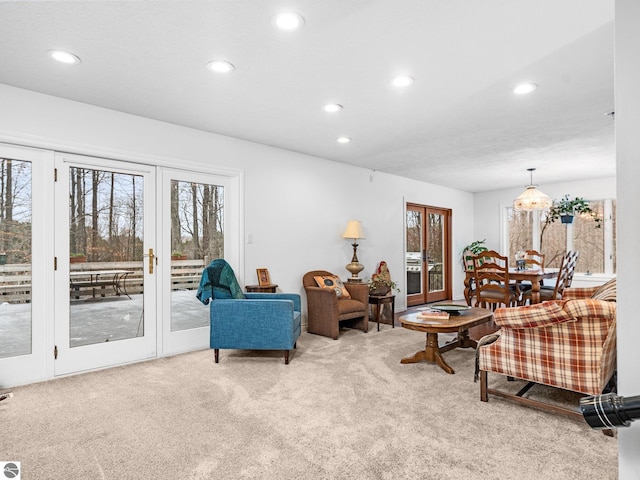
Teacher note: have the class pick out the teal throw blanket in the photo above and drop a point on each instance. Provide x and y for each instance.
(218, 281)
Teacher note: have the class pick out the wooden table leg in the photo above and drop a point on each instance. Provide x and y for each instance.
(464, 341)
(535, 292)
(431, 353)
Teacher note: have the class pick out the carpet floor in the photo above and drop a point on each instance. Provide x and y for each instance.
(342, 409)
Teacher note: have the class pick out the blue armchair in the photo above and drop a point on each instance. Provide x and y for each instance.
(252, 321)
(261, 321)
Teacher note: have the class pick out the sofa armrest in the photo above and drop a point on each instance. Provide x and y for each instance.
(358, 291)
(578, 292)
(294, 297)
(539, 315)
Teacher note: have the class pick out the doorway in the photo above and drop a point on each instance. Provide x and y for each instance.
(428, 254)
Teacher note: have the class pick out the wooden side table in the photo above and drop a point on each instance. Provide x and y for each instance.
(379, 301)
(271, 288)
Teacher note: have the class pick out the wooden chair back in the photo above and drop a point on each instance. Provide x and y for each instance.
(565, 276)
(491, 271)
(534, 259)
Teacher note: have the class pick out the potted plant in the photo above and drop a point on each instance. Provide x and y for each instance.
(382, 286)
(77, 258)
(566, 208)
(178, 255)
(470, 251)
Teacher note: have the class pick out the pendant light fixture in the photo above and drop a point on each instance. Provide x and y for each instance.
(532, 198)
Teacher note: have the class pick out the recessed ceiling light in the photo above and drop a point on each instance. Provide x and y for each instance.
(525, 88)
(288, 21)
(332, 107)
(64, 57)
(344, 140)
(220, 66)
(402, 81)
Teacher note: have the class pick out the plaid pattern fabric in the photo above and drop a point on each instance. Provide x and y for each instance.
(607, 292)
(532, 316)
(578, 355)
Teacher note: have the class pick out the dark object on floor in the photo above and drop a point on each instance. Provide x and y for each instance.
(610, 410)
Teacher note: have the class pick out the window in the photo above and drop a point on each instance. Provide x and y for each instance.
(527, 230)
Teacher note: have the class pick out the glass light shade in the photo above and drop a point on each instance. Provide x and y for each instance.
(354, 230)
(532, 199)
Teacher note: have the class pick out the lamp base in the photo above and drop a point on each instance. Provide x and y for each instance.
(355, 268)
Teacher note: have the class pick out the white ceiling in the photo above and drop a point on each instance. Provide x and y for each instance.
(458, 125)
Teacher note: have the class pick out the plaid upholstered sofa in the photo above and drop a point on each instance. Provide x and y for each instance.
(568, 343)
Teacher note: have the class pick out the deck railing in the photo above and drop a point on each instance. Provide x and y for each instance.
(15, 279)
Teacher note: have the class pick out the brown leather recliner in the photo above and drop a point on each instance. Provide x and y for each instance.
(326, 311)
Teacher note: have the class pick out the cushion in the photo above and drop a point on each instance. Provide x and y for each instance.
(533, 316)
(606, 292)
(332, 282)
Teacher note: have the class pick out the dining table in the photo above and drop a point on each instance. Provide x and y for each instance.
(533, 275)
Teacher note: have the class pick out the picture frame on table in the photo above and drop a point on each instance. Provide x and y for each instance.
(263, 276)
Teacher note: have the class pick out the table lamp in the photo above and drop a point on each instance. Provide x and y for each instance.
(354, 231)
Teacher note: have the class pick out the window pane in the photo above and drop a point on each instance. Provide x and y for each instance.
(589, 240)
(15, 258)
(553, 242)
(197, 237)
(520, 232)
(105, 256)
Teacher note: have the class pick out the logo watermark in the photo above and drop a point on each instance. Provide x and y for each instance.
(10, 470)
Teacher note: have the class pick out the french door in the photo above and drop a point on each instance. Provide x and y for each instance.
(100, 260)
(105, 277)
(428, 254)
(192, 232)
(26, 251)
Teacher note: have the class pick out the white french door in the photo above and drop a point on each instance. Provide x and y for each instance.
(26, 263)
(197, 224)
(105, 278)
(87, 278)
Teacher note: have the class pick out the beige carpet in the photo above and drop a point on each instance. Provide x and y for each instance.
(342, 409)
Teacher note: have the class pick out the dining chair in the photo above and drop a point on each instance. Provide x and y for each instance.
(492, 289)
(533, 259)
(563, 281)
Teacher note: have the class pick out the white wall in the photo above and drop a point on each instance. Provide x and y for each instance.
(295, 206)
(627, 79)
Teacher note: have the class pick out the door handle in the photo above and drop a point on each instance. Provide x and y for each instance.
(151, 257)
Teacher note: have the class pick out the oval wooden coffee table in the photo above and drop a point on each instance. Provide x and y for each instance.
(459, 324)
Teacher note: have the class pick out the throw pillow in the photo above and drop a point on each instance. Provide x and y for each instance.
(606, 292)
(334, 283)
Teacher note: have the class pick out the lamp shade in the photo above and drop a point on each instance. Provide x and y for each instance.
(354, 230)
(532, 199)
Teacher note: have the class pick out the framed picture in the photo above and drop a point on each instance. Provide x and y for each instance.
(263, 276)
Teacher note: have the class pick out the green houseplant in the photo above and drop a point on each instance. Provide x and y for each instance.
(565, 209)
(471, 250)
